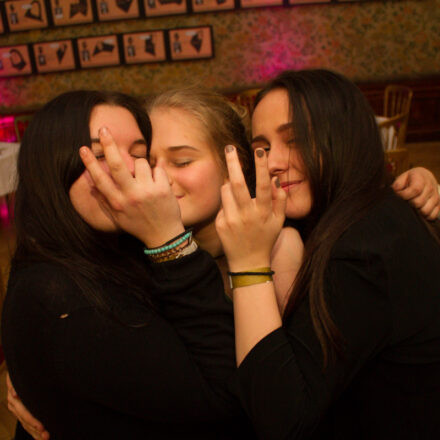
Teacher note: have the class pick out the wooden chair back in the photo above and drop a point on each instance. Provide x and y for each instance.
(397, 161)
(20, 123)
(246, 98)
(397, 101)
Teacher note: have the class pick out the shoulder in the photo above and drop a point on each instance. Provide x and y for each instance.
(391, 224)
(288, 248)
(45, 285)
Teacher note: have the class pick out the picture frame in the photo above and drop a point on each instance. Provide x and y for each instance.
(15, 61)
(54, 56)
(109, 10)
(304, 2)
(156, 8)
(144, 47)
(245, 4)
(23, 15)
(98, 51)
(191, 43)
(71, 12)
(212, 5)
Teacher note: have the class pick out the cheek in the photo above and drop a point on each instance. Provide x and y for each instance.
(88, 178)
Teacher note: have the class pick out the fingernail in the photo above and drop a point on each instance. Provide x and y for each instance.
(229, 148)
(103, 131)
(259, 152)
(83, 151)
(277, 183)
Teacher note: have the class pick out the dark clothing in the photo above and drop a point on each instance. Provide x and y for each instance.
(86, 375)
(383, 285)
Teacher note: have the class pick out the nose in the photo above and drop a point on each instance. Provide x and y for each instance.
(278, 159)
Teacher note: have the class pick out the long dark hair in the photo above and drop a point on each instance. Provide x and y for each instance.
(48, 227)
(337, 137)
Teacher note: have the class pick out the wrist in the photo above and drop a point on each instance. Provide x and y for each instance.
(159, 238)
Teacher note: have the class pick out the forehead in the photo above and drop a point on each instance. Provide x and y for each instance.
(177, 127)
(272, 111)
(117, 119)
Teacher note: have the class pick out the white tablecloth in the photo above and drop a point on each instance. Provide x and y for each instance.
(388, 134)
(8, 167)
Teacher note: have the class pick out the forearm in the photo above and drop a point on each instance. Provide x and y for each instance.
(256, 315)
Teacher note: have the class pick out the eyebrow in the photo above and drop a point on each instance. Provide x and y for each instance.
(136, 142)
(181, 147)
(280, 129)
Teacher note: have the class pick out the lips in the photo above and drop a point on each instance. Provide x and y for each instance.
(288, 185)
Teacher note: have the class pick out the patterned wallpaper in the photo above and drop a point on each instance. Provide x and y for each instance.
(367, 41)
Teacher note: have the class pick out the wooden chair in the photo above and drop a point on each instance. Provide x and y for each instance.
(20, 123)
(246, 98)
(397, 161)
(397, 101)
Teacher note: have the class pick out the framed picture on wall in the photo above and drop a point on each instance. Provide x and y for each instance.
(108, 10)
(154, 8)
(144, 47)
(212, 5)
(69, 12)
(54, 56)
(303, 2)
(260, 3)
(98, 51)
(15, 61)
(191, 43)
(23, 15)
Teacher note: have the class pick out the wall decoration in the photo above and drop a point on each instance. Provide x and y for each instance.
(303, 2)
(191, 43)
(144, 47)
(54, 56)
(69, 12)
(15, 60)
(26, 14)
(212, 5)
(260, 3)
(117, 9)
(98, 51)
(155, 8)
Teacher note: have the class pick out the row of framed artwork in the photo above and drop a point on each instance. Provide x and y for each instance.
(21, 15)
(107, 50)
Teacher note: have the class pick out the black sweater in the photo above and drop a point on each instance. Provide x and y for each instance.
(87, 376)
(383, 285)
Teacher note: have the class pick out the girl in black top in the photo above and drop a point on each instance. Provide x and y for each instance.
(100, 342)
(357, 352)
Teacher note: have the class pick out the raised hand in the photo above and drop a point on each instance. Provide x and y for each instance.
(248, 228)
(142, 202)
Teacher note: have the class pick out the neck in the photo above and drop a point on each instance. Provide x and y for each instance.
(207, 238)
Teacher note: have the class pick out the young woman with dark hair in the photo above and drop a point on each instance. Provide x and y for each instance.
(100, 341)
(357, 352)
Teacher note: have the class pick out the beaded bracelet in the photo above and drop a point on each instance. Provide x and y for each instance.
(176, 241)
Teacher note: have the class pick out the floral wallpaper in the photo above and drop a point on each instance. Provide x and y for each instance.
(366, 41)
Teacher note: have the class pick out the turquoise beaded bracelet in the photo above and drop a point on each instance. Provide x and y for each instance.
(169, 246)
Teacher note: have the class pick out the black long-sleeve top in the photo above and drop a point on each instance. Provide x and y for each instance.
(86, 375)
(383, 288)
